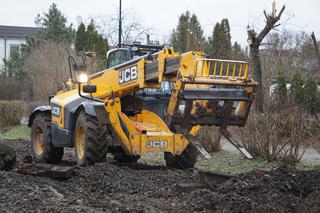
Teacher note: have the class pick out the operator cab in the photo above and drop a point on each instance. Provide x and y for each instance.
(155, 100)
(127, 53)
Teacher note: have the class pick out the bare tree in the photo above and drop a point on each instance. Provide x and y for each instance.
(296, 53)
(255, 40)
(133, 28)
(47, 67)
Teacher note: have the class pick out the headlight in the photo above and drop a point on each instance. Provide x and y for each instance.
(83, 78)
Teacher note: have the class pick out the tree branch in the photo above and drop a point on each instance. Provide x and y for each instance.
(277, 25)
(281, 11)
(271, 21)
(265, 14)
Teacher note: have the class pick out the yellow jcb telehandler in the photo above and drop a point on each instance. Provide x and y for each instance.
(148, 99)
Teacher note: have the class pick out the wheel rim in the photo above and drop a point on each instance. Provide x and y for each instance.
(38, 141)
(80, 140)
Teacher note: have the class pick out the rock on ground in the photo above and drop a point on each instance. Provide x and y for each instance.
(7, 157)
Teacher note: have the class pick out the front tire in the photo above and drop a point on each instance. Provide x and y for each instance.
(43, 150)
(186, 160)
(91, 140)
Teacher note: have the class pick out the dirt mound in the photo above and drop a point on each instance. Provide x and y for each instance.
(285, 189)
(146, 188)
(22, 147)
(7, 157)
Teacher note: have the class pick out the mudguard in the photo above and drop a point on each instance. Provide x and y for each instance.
(91, 108)
(62, 137)
(37, 110)
(94, 109)
(88, 108)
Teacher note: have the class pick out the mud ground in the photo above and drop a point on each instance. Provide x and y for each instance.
(110, 187)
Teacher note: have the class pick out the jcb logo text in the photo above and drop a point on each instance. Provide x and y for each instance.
(128, 74)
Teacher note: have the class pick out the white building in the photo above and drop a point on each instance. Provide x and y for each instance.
(11, 38)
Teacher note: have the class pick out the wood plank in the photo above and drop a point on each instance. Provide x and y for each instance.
(46, 170)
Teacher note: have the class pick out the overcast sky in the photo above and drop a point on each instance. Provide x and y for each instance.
(162, 15)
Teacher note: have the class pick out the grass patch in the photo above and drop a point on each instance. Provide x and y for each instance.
(17, 132)
(222, 162)
(227, 162)
(153, 158)
(307, 166)
(232, 163)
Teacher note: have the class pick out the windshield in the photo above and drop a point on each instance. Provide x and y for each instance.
(118, 57)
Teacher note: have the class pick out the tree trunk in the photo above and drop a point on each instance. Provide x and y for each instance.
(257, 71)
(255, 40)
(316, 47)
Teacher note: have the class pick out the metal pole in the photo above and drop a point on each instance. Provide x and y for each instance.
(120, 24)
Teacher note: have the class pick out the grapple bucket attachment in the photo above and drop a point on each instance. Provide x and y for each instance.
(218, 93)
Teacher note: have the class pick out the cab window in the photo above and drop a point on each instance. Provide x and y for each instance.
(118, 57)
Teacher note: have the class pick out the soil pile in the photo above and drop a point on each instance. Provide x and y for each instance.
(111, 187)
(283, 190)
(7, 157)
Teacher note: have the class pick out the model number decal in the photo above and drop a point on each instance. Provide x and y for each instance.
(128, 74)
(55, 111)
(157, 144)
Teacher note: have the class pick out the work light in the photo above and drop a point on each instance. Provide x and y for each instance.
(83, 78)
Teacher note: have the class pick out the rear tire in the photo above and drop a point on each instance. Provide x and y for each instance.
(91, 140)
(186, 160)
(43, 150)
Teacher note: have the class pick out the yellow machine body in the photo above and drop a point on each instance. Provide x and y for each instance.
(207, 88)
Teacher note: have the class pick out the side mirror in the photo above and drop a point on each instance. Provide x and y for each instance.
(91, 55)
(90, 88)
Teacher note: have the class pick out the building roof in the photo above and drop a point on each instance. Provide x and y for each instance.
(17, 32)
